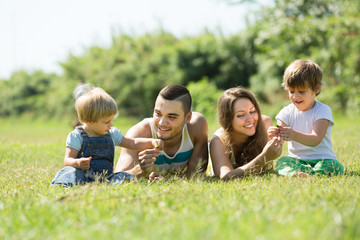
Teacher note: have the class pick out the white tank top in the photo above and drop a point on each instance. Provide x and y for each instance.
(179, 160)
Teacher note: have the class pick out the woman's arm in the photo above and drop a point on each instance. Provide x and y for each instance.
(271, 151)
(221, 160)
(222, 164)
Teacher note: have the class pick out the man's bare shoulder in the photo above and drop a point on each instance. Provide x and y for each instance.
(141, 129)
(197, 119)
(197, 125)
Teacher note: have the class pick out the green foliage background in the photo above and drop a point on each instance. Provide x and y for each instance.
(134, 68)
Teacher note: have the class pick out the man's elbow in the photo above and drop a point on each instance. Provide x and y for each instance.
(203, 164)
(199, 166)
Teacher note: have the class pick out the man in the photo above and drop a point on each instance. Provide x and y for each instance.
(184, 133)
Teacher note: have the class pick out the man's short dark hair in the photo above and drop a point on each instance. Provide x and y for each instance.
(177, 93)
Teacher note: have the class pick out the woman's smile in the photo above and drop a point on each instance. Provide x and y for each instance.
(249, 125)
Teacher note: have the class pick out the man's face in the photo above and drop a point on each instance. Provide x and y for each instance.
(169, 118)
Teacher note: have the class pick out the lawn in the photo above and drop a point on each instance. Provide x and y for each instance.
(259, 207)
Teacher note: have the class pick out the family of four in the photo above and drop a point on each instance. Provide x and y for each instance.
(175, 139)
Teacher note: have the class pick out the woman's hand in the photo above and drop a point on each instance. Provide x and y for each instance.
(273, 149)
(273, 132)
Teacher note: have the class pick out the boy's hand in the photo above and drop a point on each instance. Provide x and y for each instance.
(158, 144)
(83, 163)
(287, 133)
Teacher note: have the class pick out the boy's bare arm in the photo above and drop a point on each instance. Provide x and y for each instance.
(138, 143)
(71, 159)
(309, 139)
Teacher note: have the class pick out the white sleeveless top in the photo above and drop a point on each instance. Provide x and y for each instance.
(179, 161)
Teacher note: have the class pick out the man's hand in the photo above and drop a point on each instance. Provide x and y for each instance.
(154, 176)
(147, 158)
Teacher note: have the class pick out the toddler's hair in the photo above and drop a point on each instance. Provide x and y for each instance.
(303, 74)
(93, 103)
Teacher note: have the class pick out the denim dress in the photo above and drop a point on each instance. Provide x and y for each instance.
(102, 150)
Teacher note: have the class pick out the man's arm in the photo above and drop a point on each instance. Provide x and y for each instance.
(198, 130)
(129, 159)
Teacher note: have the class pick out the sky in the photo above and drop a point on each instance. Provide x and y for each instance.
(38, 34)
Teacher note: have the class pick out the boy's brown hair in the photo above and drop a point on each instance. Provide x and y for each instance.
(303, 74)
(93, 103)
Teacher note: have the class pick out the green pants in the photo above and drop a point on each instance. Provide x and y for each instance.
(289, 166)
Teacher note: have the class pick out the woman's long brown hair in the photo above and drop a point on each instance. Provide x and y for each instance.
(255, 144)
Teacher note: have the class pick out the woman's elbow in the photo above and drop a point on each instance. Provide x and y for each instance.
(226, 176)
(222, 176)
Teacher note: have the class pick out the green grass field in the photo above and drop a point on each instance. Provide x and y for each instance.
(259, 207)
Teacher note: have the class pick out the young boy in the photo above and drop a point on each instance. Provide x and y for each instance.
(90, 149)
(306, 124)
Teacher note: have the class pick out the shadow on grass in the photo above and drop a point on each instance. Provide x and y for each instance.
(352, 173)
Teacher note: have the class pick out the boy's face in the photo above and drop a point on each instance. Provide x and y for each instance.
(169, 118)
(302, 98)
(100, 127)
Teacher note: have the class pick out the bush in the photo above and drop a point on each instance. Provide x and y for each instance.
(205, 96)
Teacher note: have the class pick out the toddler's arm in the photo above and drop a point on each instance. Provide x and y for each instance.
(141, 143)
(309, 139)
(72, 160)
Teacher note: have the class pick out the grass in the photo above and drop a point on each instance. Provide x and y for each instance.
(259, 207)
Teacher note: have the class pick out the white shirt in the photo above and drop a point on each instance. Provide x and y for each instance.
(303, 121)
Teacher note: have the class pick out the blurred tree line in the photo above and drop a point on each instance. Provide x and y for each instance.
(134, 68)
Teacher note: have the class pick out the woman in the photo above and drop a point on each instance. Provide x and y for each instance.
(241, 147)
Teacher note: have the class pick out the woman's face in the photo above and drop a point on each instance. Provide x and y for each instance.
(245, 117)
